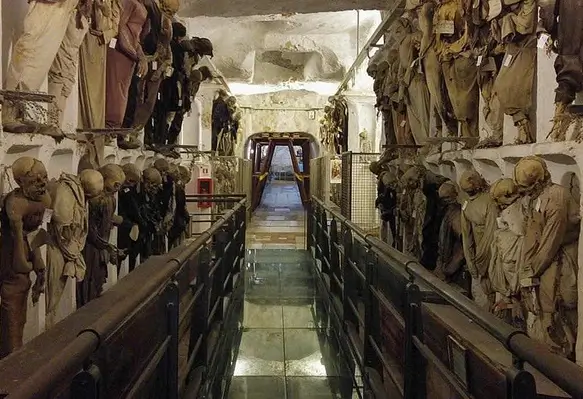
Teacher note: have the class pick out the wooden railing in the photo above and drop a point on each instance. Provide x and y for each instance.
(164, 331)
(410, 335)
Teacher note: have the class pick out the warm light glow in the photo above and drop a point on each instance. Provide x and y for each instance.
(322, 88)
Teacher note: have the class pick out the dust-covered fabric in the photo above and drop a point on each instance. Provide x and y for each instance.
(33, 53)
(548, 272)
(450, 259)
(461, 80)
(68, 233)
(515, 81)
(97, 248)
(506, 248)
(413, 88)
(478, 226)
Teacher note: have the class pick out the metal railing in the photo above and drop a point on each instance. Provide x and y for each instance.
(404, 327)
(165, 331)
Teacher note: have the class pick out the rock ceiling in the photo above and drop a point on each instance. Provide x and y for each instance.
(239, 8)
(274, 49)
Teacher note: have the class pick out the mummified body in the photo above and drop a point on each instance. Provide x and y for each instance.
(421, 186)
(181, 225)
(68, 232)
(548, 260)
(506, 248)
(130, 209)
(562, 19)
(165, 205)
(478, 226)
(98, 252)
(151, 227)
(386, 201)
(21, 216)
(450, 260)
(506, 48)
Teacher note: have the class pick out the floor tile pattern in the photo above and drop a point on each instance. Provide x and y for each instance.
(279, 222)
(286, 351)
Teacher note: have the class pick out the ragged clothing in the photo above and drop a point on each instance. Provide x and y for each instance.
(15, 285)
(181, 221)
(413, 88)
(68, 233)
(506, 248)
(97, 248)
(69, 226)
(450, 259)
(453, 32)
(478, 227)
(562, 20)
(548, 272)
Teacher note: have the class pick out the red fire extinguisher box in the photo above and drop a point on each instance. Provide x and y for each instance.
(205, 186)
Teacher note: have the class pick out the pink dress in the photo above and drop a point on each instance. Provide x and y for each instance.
(122, 60)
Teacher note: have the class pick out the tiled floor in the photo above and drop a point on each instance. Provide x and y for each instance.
(286, 350)
(280, 221)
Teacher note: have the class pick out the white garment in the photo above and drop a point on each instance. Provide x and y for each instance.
(33, 53)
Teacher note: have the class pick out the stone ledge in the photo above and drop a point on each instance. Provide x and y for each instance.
(568, 149)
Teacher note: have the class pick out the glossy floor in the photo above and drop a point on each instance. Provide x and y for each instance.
(279, 222)
(287, 350)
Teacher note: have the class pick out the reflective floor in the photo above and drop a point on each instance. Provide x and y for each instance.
(286, 349)
(279, 222)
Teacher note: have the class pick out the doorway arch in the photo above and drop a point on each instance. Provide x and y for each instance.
(259, 148)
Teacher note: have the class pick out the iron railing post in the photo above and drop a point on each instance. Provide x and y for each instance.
(335, 272)
(86, 384)
(324, 242)
(520, 384)
(372, 325)
(317, 233)
(350, 281)
(172, 302)
(309, 225)
(200, 312)
(415, 374)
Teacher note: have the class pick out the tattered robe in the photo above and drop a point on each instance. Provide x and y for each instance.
(450, 258)
(68, 233)
(504, 262)
(413, 90)
(96, 251)
(549, 254)
(478, 227)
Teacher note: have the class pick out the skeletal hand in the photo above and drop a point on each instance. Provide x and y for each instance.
(38, 287)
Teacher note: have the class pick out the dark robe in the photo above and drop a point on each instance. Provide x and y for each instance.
(181, 218)
(149, 45)
(14, 287)
(129, 204)
(172, 99)
(450, 259)
(433, 216)
(163, 202)
(386, 203)
(151, 219)
(96, 251)
(220, 120)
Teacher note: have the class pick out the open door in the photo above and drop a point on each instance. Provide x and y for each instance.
(263, 149)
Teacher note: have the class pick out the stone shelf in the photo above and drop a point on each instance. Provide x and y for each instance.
(493, 163)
